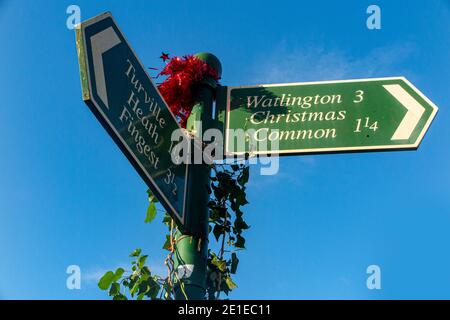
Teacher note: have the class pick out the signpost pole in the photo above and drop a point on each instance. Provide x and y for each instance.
(191, 253)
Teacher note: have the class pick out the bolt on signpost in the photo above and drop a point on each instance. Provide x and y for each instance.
(192, 248)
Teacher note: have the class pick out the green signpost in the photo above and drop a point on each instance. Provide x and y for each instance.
(316, 117)
(330, 116)
(124, 99)
(122, 96)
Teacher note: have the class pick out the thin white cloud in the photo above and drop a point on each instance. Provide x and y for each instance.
(291, 62)
(93, 275)
(291, 172)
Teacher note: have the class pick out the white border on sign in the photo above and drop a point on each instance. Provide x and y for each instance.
(318, 150)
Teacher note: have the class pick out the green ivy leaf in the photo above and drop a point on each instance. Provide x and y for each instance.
(167, 244)
(120, 297)
(118, 274)
(220, 264)
(240, 224)
(235, 167)
(115, 289)
(136, 253)
(243, 177)
(234, 263)
(154, 288)
(231, 285)
(240, 198)
(218, 230)
(151, 196)
(144, 287)
(134, 288)
(141, 261)
(240, 242)
(145, 271)
(219, 192)
(167, 219)
(140, 296)
(106, 280)
(151, 212)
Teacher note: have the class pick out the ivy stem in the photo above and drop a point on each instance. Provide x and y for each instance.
(222, 249)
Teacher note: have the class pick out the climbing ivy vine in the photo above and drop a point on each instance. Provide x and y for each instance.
(227, 192)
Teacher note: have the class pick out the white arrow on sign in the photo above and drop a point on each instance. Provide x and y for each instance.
(412, 116)
(102, 42)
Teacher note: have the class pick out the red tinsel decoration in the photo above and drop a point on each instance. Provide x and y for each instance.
(183, 73)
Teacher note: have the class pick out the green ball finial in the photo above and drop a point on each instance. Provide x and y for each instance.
(211, 60)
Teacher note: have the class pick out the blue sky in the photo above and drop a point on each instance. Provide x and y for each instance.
(68, 195)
